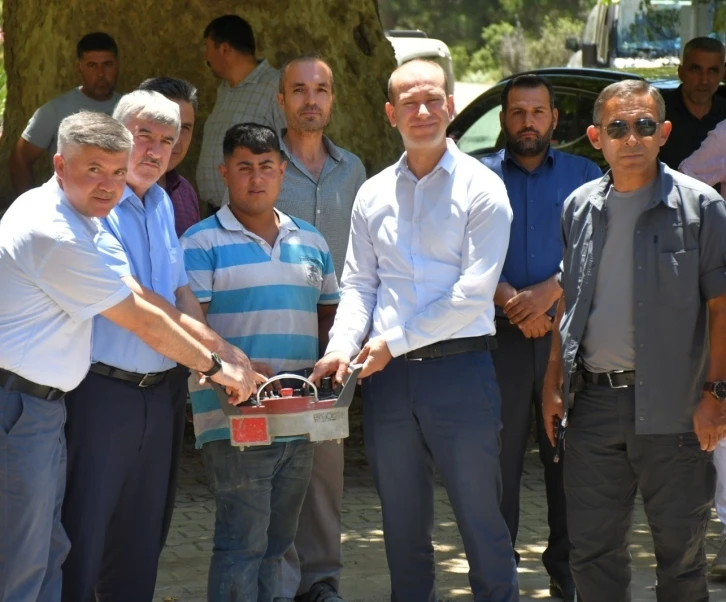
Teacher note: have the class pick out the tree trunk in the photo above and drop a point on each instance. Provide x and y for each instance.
(164, 37)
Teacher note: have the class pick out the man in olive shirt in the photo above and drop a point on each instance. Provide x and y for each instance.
(694, 108)
(644, 279)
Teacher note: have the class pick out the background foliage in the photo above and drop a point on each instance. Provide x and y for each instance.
(491, 38)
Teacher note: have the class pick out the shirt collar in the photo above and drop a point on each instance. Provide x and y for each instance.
(663, 194)
(333, 150)
(152, 197)
(56, 189)
(447, 161)
(550, 158)
(230, 223)
(254, 76)
(682, 108)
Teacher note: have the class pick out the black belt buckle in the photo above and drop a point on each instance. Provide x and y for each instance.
(610, 379)
(143, 383)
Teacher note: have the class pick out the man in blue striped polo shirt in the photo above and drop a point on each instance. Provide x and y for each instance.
(267, 285)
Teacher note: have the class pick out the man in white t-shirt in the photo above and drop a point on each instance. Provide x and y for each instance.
(98, 68)
(54, 282)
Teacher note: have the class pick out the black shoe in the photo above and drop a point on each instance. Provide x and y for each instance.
(564, 590)
(322, 592)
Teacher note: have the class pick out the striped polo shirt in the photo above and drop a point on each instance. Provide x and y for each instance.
(262, 299)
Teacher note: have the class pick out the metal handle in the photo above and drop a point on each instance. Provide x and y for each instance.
(282, 376)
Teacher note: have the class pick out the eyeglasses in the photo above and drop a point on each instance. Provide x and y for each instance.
(643, 128)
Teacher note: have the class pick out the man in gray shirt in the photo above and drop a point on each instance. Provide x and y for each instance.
(98, 68)
(320, 185)
(641, 356)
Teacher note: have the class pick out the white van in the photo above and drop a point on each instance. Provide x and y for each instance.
(409, 44)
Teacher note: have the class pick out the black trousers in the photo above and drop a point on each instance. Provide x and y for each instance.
(119, 449)
(606, 464)
(179, 389)
(521, 364)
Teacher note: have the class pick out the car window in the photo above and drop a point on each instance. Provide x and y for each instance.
(483, 133)
(566, 130)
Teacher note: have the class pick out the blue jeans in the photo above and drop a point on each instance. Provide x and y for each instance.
(33, 543)
(439, 414)
(259, 494)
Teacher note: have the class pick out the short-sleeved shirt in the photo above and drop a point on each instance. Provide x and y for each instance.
(184, 200)
(688, 131)
(53, 281)
(679, 254)
(253, 100)
(261, 299)
(326, 203)
(536, 197)
(42, 129)
(138, 239)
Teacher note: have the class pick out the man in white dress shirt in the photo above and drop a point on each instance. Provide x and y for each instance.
(427, 245)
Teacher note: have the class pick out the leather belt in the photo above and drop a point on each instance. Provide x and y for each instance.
(617, 379)
(140, 380)
(453, 347)
(17, 384)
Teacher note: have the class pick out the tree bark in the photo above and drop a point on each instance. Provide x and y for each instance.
(164, 37)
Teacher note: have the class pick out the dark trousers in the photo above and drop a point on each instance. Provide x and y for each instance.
(439, 414)
(606, 463)
(119, 449)
(179, 389)
(32, 480)
(521, 364)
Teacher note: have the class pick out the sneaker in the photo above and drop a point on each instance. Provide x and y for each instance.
(718, 566)
(322, 592)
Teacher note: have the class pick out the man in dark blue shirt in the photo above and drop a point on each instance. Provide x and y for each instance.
(538, 180)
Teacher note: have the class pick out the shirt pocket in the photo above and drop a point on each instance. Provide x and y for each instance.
(677, 274)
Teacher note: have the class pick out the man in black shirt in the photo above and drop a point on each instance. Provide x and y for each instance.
(693, 108)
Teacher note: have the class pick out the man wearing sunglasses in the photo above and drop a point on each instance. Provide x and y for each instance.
(640, 360)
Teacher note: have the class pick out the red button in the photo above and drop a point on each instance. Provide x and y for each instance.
(286, 392)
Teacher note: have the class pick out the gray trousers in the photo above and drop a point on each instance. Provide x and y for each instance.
(317, 554)
(606, 463)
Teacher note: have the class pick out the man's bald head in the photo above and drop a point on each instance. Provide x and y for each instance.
(413, 71)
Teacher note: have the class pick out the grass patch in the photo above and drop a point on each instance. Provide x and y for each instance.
(653, 73)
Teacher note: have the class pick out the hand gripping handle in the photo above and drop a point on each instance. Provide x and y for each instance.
(281, 377)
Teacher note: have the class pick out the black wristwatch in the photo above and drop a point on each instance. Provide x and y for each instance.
(717, 388)
(216, 367)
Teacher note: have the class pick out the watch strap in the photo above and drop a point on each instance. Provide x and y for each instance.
(216, 367)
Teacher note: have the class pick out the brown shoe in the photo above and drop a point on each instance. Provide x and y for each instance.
(718, 566)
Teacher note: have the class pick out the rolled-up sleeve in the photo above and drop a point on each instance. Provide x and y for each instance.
(484, 248)
(712, 249)
(359, 287)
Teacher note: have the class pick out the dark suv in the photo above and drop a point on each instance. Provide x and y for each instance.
(477, 131)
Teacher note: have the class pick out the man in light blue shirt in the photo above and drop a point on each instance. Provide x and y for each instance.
(120, 426)
(427, 244)
(54, 283)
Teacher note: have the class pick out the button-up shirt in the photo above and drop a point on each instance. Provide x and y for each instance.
(138, 239)
(53, 282)
(184, 200)
(688, 130)
(327, 202)
(680, 263)
(536, 197)
(253, 100)
(424, 257)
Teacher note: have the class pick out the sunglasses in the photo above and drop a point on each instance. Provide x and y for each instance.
(643, 128)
